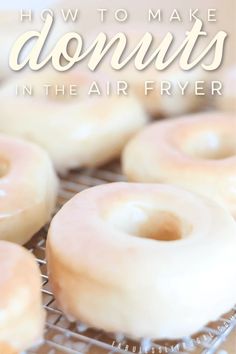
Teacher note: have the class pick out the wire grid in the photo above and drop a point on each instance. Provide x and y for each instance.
(62, 336)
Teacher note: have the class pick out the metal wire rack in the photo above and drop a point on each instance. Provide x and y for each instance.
(61, 336)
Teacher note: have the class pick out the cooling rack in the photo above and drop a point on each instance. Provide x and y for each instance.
(62, 336)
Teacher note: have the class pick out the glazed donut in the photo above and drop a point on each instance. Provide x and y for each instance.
(86, 133)
(118, 255)
(227, 102)
(28, 188)
(196, 152)
(22, 315)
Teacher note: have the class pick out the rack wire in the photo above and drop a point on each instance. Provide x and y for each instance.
(62, 336)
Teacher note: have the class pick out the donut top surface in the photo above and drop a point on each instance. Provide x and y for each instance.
(109, 223)
(197, 152)
(21, 166)
(15, 263)
(209, 138)
(21, 313)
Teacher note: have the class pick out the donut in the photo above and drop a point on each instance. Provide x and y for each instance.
(22, 316)
(28, 189)
(197, 152)
(227, 102)
(146, 260)
(76, 134)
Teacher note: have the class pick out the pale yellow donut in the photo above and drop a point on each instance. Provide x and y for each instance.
(28, 189)
(22, 315)
(196, 152)
(147, 260)
(76, 133)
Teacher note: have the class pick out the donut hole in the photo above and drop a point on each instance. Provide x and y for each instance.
(210, 145)
(4, 167)
(161, 226)
(145, 222)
